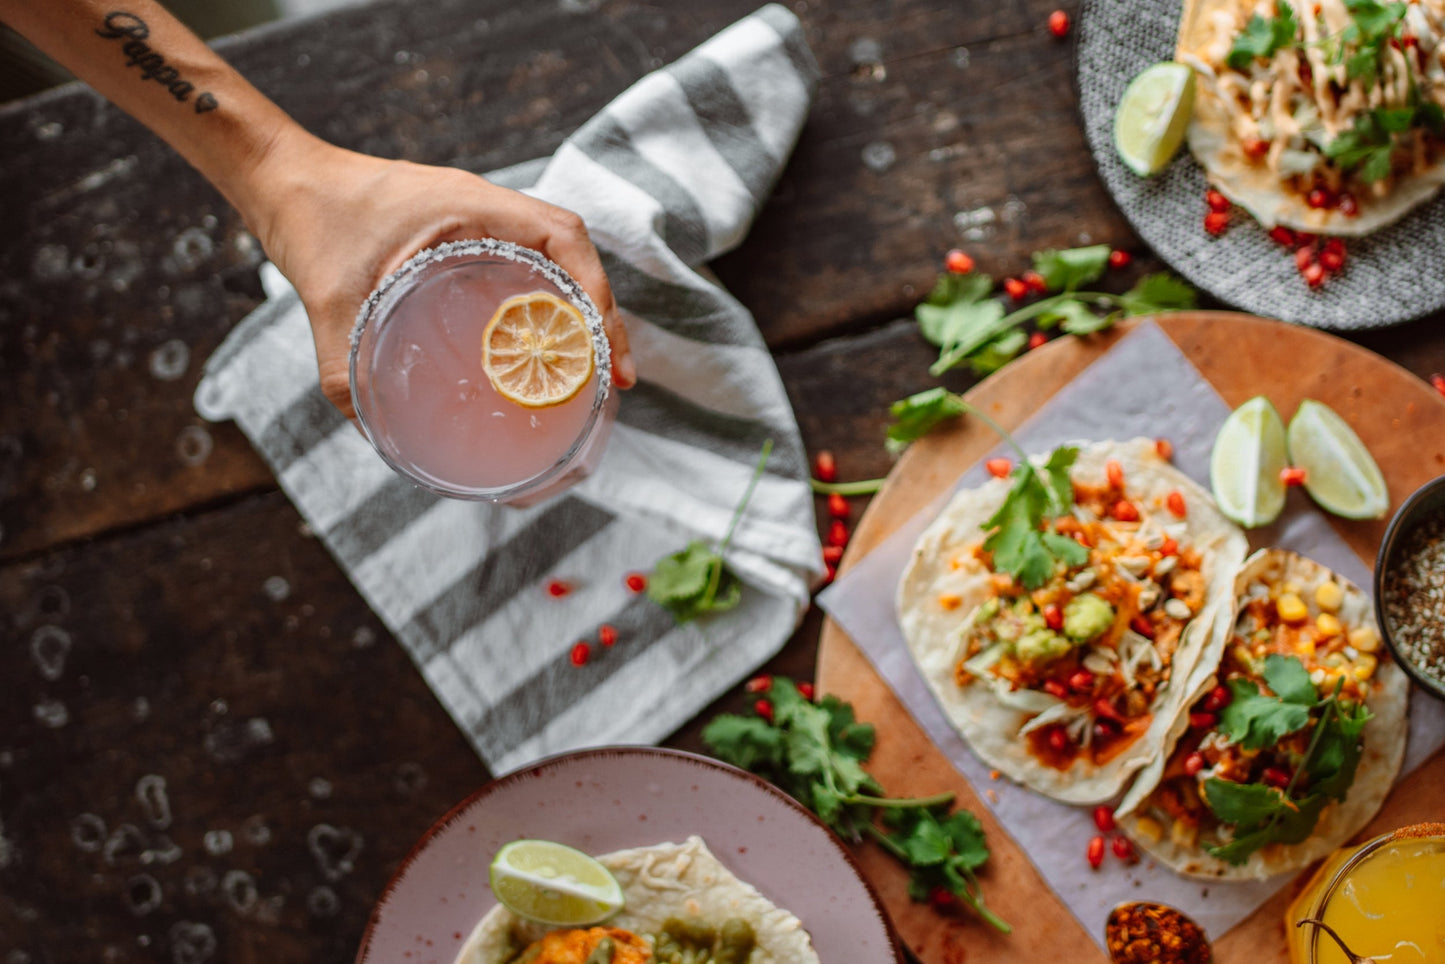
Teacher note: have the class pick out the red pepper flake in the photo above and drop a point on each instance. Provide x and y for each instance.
(838, 506)
(1124, 850)
(1141, 625)
(832, 555)
(1438, 380)
(825, 468)
(1104, 818)
(1215, 200)
(1059, 24)
(838, 533)
(636, 582)
(1216, 222)
(607, 634)
(1164, 448)
(1174, 502)
(1036, 282)
(999, 468)
(759, 684)
(1038, 340)
(1282, 235)
(1169, 547)
(1114, 472)
(1292, 476)
(556, 588)
(1202, 721)
(1095, 852)
(764, 709)
(1193, 763)
(805, 690)
(581, 653)
(958, 262)
(1016, 289)
(1120, 259)
(1124, 511)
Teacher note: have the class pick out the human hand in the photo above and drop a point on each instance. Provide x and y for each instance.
(336, 223)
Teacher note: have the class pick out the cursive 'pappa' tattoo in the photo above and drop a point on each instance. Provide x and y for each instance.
(120, 25)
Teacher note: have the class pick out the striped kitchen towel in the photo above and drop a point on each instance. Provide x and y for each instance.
(667, 176)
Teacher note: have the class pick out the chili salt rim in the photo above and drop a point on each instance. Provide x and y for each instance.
(1418, 830)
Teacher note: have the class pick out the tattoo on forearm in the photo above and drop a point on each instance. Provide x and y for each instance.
(120, 25)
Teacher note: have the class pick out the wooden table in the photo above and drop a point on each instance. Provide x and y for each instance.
(209, 641)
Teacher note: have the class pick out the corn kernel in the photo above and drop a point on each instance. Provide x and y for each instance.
(1183, 833)
(1150, 829)
(1292, 587)
(1329, 596)
(1291, 608)
(1304, 646)
(1365, 639)
(1327, 626)
(1365, 666)
(1317, 675)
(950, 601)
(1335, 660)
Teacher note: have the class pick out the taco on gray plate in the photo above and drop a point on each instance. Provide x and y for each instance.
(1291, 741)
(681, 904)
(1066, 677)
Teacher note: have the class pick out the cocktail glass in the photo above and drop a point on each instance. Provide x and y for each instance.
(428, 407)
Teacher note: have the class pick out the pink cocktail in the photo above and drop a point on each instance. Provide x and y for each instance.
(430, 409)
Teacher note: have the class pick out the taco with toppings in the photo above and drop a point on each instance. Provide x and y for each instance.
(1291, 741)
(1326, 117)
(1057, 620)
(681, 905)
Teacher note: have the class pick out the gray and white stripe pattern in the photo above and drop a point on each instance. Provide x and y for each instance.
(668, 176)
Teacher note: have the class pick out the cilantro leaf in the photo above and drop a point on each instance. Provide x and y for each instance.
(1066, 270)
(1244, 804)
(748, 742)
(1155, 293)
(917, 415)
(998, 352)
(1074, 317)
(1294, 826)
(1056, 476)
(1289, 679)
(1019, 545)
(1255, 720)
(957, 305)
(1332, 769)
(1263, 36)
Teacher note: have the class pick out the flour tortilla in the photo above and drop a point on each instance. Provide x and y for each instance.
(1254, 186)
(991, 727)
(665, 880)
(1384, 738)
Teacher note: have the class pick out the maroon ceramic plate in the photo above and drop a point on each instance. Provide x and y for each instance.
(607, 799)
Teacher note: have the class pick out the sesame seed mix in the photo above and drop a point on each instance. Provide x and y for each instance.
(1415, 598)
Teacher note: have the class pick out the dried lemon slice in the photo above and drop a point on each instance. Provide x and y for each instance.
(537, 350)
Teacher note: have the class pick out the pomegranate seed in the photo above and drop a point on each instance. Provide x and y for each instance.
(557, 588)
(1036, 282)
(759, 684)
(1105, 711)
(1169, 547)
(1332, 258)
(1104, 818)
(1141, 625)
(1282, 235)
(805, 690)
(832, 555)
(1037, 340)
(1216, 201)
(1120, 259)
(1314, 275)
(1438, 380)
(1203, 721)
(636, 582)
(1255, 148)
(1275, 777)
(1053, 617)
(838, 533)
(1218, 699)
(958, 262)
(824, 467)
(940, 899)
(1303, 258)
(1124, 511)
(1305, 239)
(607, 635)
(1174, 502)
(1058, 739)
(764, 709)
(1124, 850)
(1114, 472)
(1164, 448)
(1348, 206)
(581, 653)
(1193, 763)
(1015, 288)
(830, 572)
(1292, 476)
(838, 506)
(1319, 198)
(1216, 222)
(1095, 853)
(1059, 23)
(999, 468)
(1081, 681)
(1055, 689)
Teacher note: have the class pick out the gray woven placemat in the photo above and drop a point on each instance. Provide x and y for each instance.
(1391, 277)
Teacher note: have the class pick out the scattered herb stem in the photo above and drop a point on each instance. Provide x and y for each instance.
(861, 487)
(958, 353)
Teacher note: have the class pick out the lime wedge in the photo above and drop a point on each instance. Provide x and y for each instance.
(1153, 116)
(1340, 475)
(1244, 467)
(553, 884)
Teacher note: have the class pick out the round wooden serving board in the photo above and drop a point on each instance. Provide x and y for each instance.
(1398, 416)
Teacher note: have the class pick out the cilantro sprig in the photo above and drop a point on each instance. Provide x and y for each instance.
(1362, 44)
(693, 581)
(1368, 147)
(1263, 37)
(1263, 814)
(815, 751)
(971, 327)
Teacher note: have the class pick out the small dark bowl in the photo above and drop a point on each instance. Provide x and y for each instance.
(1425, 502)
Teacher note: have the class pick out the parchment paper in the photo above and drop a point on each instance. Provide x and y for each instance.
(1142, 386)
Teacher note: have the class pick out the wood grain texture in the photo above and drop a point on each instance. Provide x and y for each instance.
(1399, 418)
